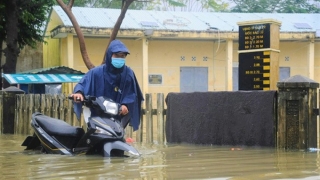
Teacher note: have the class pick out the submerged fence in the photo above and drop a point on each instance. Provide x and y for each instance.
(60, 107)
(285, 118)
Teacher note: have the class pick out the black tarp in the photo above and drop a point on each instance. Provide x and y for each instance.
(222, 118)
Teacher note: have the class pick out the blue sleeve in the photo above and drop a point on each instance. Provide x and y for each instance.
(82, 86)
(133, 99)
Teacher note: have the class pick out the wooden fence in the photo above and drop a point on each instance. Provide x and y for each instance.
(59, 106)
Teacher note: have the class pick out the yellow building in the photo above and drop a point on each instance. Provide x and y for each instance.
(180, 51)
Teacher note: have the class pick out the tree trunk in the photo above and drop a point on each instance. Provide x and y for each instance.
(83, 49)
(124, 8)
(67, 9)
(12, 51)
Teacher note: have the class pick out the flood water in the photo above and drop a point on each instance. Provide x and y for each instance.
(173, 161)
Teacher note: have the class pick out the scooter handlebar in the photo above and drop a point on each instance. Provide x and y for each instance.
(71, 98)
(91, 101)
(85, 98)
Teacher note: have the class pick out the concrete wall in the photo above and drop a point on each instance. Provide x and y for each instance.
(30, 58)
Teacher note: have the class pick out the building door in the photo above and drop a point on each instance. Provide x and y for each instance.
(284, 73)
(193, 79)
(235, 78)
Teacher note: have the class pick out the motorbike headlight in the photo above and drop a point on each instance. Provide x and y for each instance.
(102, 131)
(111, 107)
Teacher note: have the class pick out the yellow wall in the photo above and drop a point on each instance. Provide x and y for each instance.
(51, 53)
(51, 49)
(95, 48)
(298, 57)
(165, 59)
(317, 62)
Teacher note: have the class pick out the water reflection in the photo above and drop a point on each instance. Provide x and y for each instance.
(160, 162)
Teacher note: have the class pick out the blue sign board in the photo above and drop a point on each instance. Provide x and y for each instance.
(42, 78)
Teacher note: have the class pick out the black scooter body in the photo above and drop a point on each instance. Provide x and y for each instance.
(54, 136)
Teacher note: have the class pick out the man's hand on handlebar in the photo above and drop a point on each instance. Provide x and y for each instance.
(124, 110)
(77, 97)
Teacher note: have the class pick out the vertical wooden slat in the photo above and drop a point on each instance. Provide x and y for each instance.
(16, 115)
(49, 105)
(24, 116)
(149, 122)
(43, 104)
(30, 112)
(36, 108)
(55, 106)
(37, 103)
(25, 113)
(69, 116)
(128, 131)
(19, 121)
(1, 113)
(139, 132)
(46, 110)
(61, 107)
(160, 118)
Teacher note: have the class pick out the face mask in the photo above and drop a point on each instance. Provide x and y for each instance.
(118, 62)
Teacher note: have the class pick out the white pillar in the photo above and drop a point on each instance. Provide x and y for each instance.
(311, 60)
(145, 73)
(229, 67)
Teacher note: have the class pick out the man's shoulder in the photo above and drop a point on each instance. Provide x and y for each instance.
(129, 71)
(97, 69)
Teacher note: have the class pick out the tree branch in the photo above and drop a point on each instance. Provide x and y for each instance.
(68, 11)
(116, 28)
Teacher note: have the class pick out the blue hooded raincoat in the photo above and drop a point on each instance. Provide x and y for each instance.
(120, 85)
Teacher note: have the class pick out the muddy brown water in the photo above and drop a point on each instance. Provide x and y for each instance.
(170, 161)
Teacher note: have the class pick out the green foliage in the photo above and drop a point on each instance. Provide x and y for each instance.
(217, 5)
(32, 16)
(176, 3)
(113, 4)
(271, 6)
(187, 5)
(182, 5)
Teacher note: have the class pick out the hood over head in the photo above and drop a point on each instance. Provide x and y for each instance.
(114, 47)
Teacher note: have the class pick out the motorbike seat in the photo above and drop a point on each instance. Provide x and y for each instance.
(58, 127)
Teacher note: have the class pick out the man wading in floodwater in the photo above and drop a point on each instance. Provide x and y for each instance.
(113, 80)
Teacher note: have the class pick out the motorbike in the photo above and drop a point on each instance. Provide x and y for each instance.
(104, 134)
